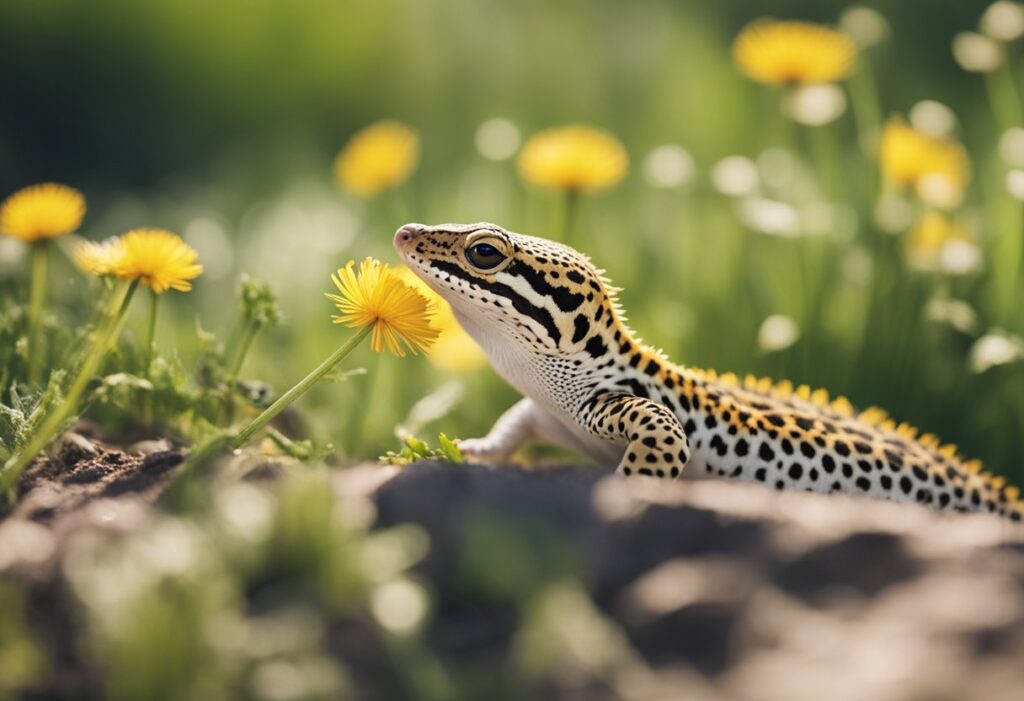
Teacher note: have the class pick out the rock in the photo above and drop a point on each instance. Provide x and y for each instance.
(720, 590)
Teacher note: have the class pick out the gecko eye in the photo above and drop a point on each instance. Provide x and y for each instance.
(484, 256)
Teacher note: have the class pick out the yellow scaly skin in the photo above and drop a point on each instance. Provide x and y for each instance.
(551, 326)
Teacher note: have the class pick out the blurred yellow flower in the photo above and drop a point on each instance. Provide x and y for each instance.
(98, 258)
(793, 53)
(376, 296)
(377, 158)
(455, 350)
(156, 258)
(576, 157)
(40, 212)
(937, 168)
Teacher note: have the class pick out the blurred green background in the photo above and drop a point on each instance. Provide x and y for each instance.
(220, 120)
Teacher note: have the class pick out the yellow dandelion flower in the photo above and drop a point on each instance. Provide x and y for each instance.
(938, 169)
(157, 258)
(455, 350)
(98, 258)
(575, 157)
(376, 296)
(377, 158)
(793, 53)
(41, 212)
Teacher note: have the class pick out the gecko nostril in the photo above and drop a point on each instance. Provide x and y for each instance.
(407, 232)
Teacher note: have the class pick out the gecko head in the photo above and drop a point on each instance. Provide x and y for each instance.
(510, 286)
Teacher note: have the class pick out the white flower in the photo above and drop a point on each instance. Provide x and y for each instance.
(1003, 21)
(399, 605)
(976, 52)
(1011, 147)
(939, 191)
(669, 166)
(932, 118)
(777, 332)
(769, 216)
(995, 348)
(1015, 183)
(498, 139)
(960, 257)
(957, 313)
(864, 25)
(735, 175)
(815, 105)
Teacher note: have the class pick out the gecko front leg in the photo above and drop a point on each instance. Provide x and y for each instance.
(514, 428)
(656, 444)
(526, 422)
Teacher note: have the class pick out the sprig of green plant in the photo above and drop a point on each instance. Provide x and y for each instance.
(260, 310)
(414, 449)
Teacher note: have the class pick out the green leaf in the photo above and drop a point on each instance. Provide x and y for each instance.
(450, 451)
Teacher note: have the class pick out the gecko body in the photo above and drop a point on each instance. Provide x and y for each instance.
(552, 328)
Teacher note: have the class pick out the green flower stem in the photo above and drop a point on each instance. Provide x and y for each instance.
(828, 158)
(150, 348)
(867, 112)
(37, 296)
(300, 389)
(1002, 95)
(363, 387)
(42, 435)
(248, 336)
(1007, 249)
(570, 207)
(238, 356)
(179, 489)
(867, 115)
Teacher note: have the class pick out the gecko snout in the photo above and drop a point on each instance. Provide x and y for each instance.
(407, 233)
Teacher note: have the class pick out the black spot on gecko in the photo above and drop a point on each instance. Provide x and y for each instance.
(581, 328)
(596, 347)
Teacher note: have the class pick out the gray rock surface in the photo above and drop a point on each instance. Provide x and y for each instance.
(718, 590)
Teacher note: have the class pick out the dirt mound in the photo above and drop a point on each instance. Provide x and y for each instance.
(82, 471)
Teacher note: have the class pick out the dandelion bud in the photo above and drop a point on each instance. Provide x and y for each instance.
(259, 303)
(1003, 21)
(976, 52)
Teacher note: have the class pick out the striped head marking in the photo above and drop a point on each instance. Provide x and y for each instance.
(503, 285)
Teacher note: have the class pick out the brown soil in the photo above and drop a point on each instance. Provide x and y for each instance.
(83, 471)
